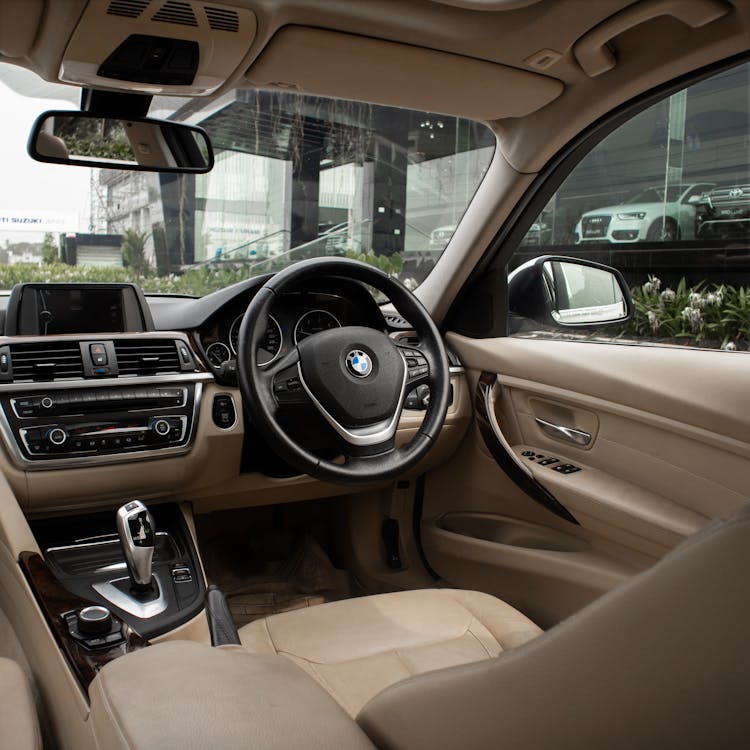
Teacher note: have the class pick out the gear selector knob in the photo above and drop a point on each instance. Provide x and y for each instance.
(136, 529)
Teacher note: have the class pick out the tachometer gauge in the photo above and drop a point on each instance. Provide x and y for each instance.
(312, 322)
(270, 344)
(218, 353)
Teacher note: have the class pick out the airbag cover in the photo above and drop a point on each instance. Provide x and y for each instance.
(353, 399)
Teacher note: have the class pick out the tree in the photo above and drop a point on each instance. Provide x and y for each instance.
(49, 249)
(133, 250)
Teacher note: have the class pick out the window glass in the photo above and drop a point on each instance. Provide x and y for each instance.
(295, 177)
(665, 199)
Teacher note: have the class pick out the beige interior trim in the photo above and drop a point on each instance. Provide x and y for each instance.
(330, 63)
(18, 723)
(18, 30)
(596, 57)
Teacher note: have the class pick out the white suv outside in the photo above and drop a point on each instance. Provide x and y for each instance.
(646, 216)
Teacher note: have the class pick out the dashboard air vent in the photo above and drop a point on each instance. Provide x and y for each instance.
(46, 360)
(147, 357)
(221, 19)
(127, 8)
(174, 11)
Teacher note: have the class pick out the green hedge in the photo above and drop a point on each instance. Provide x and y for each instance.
(709, 315)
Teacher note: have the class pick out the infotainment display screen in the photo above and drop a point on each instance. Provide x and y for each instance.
(79, 311)
(54, 309)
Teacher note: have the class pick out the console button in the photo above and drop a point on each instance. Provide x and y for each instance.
(223, 412)
(57, 436)
(98, 354)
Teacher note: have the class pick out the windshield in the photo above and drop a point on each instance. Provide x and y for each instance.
(295, 177)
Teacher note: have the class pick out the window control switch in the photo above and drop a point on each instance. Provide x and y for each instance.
(566, 468)
(548, 461)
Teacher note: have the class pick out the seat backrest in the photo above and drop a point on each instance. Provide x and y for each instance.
(662, 662)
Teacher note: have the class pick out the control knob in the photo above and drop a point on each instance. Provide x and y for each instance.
(94, 620)
(161, 427)
(57, 436)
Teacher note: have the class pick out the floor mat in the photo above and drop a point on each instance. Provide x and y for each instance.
(255, 588)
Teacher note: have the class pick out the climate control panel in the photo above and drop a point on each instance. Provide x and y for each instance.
(99, 421)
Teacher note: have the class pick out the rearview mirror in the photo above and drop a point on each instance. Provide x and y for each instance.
(87, 140)
(569, 292)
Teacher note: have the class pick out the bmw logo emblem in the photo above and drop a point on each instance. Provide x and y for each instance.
(358, 363)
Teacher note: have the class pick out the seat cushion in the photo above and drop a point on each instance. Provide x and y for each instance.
(357, 647)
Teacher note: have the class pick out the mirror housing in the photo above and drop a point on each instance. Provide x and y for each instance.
(138, 143)
(561, 292)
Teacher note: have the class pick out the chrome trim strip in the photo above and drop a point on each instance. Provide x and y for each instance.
(362, 436)
(125, 381)
(489, 402)
(114, 540)
(127, 603)
(28, 464)
(456, 370)
(577, 437)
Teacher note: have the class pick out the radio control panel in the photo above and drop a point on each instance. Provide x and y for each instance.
(99, 421)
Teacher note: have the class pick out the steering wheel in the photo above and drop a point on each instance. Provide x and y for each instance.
(356, 377)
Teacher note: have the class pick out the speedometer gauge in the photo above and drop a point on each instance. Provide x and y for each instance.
(270, 344)
(312, 322)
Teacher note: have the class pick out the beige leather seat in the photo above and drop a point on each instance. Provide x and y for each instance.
(358, 647)
(18, 725)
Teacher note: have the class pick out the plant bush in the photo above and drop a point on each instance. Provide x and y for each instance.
(709, 315)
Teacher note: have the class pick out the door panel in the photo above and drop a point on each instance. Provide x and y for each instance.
(669, 450)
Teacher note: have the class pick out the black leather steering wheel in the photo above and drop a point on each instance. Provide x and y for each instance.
(357, 378)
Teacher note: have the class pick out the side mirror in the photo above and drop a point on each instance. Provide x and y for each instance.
(86, 140)
(694, 200)
(569, 292)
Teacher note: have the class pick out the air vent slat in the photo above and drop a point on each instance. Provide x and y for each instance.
(46, 361)
(174, 11)
(221, 19)
(127, 8)
(146, 357)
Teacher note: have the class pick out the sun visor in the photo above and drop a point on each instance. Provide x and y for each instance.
(345, 66)
(158, 46)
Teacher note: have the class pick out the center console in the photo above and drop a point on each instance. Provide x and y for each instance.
(91, 558)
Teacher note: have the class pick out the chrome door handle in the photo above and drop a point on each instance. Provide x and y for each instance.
(579, 437)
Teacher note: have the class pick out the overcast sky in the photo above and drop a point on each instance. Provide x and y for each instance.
(25, 185)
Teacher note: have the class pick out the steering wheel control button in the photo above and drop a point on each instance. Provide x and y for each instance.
(223, 412)
(359, 363)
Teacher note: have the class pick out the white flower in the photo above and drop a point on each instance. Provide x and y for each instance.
(693, 316)
(668, 295)
(652, 286)
(696, 300)
(714, 299)
(730, 346)
(653, 321)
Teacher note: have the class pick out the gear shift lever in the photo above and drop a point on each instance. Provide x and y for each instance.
(136, 529)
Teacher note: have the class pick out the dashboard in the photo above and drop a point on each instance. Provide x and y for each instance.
(149, 406)
(293, 318)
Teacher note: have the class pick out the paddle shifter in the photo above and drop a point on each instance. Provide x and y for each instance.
(136, 529)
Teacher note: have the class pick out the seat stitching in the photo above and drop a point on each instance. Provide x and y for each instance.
(481, 643)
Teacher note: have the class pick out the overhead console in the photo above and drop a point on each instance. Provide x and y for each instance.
(84, 380)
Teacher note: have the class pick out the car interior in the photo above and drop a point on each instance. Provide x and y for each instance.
(320, 507)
